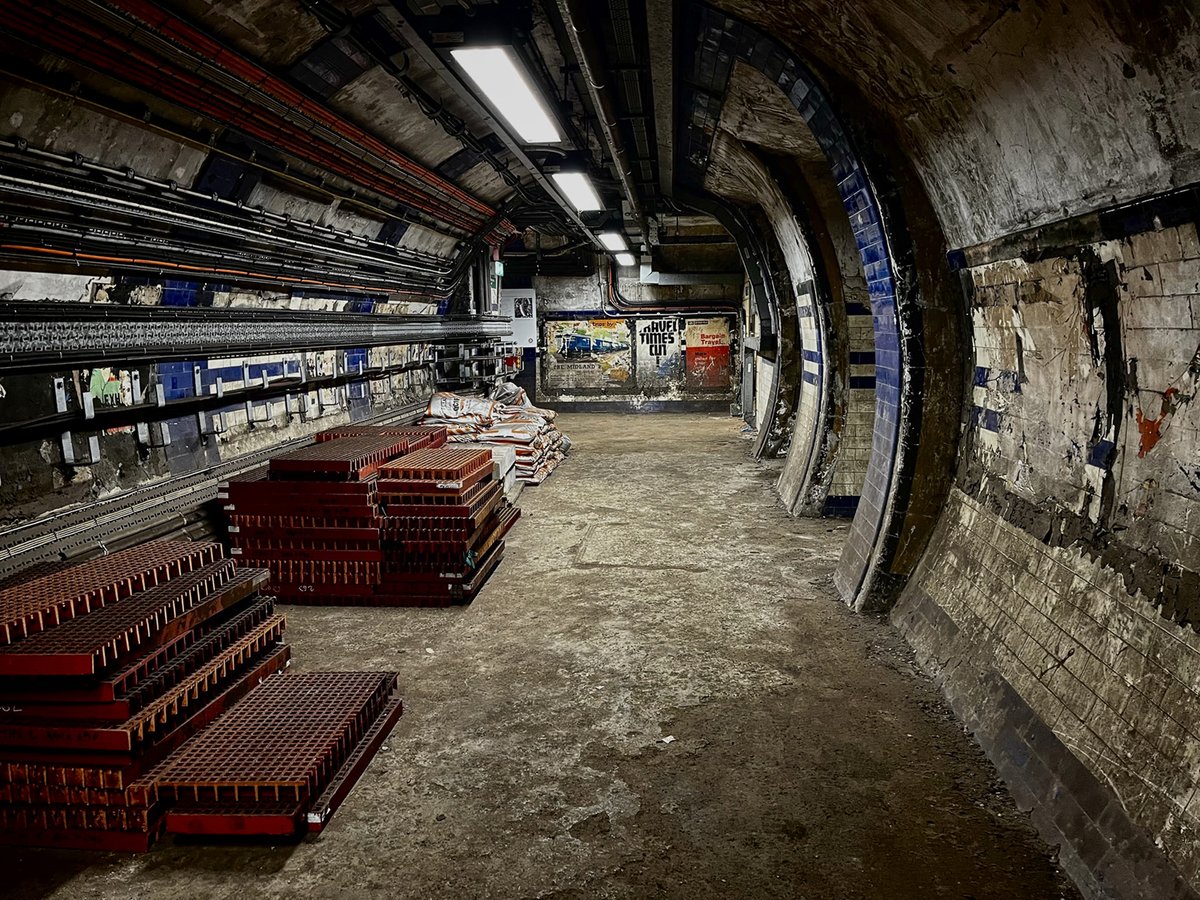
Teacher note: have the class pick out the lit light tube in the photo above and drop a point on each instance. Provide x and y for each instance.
(614, 242)
(500, 80)
(579, 190)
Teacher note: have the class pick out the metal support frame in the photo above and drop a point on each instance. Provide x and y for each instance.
(202, 406)
(123, 520)
(38, 336)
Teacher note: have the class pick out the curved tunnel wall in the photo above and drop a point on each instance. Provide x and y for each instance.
(721, 40)
(1058, 598)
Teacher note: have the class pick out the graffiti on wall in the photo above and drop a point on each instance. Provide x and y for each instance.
(592, 354)
(706, 353)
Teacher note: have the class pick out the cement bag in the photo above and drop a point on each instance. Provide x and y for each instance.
(509, 394)
(510, 433)
(468, 409)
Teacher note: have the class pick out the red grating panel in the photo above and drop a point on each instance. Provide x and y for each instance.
(206, 650)
(93, 643)
(425, 594)
(45, 817)
(479, 500)
(289, 818)
(114, 772)
(347, 459)
(260, 555)
(347, 776)
(446, 543)
(268, 820)
(41, 603)
(282, 743)
(391, 487)
(81, 839)
(448, 464)
(160, 716)
(124, 702)
(315, 507)
(421, 436)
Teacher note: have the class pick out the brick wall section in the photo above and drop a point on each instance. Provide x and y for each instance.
(1065, 566)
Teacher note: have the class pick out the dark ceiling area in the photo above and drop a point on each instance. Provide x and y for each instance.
(338, 138)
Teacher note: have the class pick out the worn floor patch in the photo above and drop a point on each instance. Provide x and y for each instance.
(653, 589)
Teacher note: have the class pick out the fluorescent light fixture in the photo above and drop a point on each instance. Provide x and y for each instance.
(626, 259)
(579, 190)
(614, 242)
(506, 87)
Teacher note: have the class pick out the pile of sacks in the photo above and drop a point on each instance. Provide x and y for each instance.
(506, 420)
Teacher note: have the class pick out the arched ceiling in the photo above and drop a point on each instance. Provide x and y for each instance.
(343, 112)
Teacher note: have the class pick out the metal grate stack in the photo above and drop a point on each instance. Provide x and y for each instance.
(108, 666)
(420, 435)
(336, 524)
(283, 760)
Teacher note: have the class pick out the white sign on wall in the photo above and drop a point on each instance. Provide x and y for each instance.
(520, 305)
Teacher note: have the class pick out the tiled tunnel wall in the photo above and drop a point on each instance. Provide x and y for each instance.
(1057, 598)
(1068, 558)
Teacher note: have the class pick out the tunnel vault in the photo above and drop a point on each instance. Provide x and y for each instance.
(967, 310)
(889, 530)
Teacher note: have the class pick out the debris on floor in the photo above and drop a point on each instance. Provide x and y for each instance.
(508, 419)
(384, 516)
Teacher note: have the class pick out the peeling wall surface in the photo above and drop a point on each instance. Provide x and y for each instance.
(1066, 560)
(1049, 153)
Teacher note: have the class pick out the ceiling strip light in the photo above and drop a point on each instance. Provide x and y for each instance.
(579, 190)
(627, 260)
(506, 87)
(614, 242)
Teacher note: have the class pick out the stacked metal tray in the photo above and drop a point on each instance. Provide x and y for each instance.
(282, 761)
(109, 666)
(343, 526)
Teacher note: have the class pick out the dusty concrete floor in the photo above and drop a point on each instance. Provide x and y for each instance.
(653, 588)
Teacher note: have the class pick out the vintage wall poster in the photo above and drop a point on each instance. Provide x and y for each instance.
(589, 355)
(659, 351)
(706, 353)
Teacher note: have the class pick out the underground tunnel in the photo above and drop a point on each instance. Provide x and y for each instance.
(642, 448)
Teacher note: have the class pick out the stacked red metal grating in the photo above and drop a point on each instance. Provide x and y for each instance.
(420, 436)
(29, 606)
(282, 761)
(424, 529)
(129, 657)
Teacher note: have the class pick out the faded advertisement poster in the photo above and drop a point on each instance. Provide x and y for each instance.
(589, 355)
(659, 351)
(706, 353)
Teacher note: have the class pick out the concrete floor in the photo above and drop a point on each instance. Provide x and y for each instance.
(654, 589)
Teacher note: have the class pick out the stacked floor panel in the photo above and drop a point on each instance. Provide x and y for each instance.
(344, 527)
(282, 761)
(419, 436)
(107, 667)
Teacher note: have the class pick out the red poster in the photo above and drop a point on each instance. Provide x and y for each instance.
(707, 353)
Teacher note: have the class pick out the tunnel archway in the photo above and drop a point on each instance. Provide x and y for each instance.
(874, 563)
